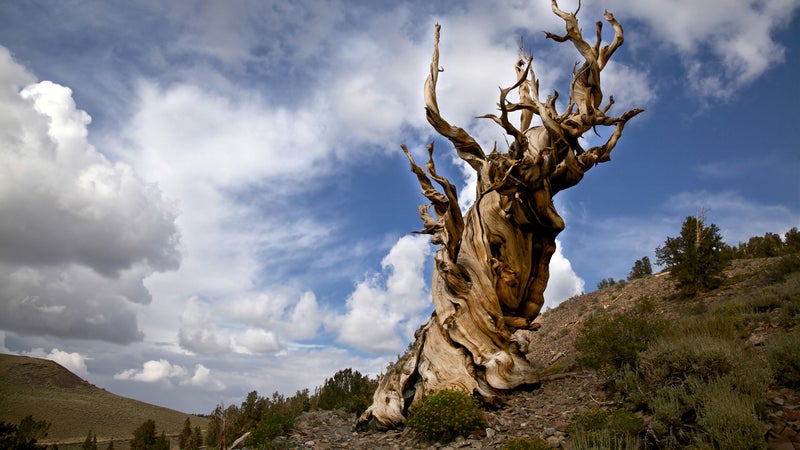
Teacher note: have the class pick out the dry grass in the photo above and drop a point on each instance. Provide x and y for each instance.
(44, 389)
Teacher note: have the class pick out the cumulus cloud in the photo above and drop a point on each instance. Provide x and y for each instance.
(384, 310)
(564, 282)
(203, 378)
(153, 372)
(79, 233)
(72, 361)
(738, 35)
(282, 312)
(198, 332)
(66, 203)
(256, 340)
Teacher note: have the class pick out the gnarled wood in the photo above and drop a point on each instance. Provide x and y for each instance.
(492, 268)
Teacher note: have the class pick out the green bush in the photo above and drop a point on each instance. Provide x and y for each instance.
(444, 415)
(721, 322)
(535, 443)
(629, 385)
(785, 265)
(613, 341)
(671, 407)
(347, 389)
(685, 359)
(606, 429)
(729, 419)
(603, 439)
(692, 371)
(270, 427)
(783, 354)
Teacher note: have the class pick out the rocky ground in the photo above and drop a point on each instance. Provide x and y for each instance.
(543, 412)
(546, 412)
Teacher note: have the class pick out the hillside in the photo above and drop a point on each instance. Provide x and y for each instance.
(765, 308)
(73, 406)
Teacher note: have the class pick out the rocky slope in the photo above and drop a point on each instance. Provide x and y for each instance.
(546, 412)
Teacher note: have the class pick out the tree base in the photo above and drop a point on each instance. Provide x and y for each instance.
(435, 362)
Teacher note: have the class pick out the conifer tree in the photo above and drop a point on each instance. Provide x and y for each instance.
(144, 437)
(641, 268)
(697, 257)
(90, 443)
(186, 434)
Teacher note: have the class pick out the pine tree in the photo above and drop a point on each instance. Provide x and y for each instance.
(791, 241)
(186, 434)
(90, 443)
(641, 268)
(197, 439)
(144, 437)
(162, 442)
(214, 430)
(696, 258)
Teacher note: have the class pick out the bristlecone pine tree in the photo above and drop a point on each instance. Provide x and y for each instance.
(492, 268)
(696, 258)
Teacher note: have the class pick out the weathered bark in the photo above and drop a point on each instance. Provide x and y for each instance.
(492, 267)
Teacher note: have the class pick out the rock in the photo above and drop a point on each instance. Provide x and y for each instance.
(490, 433)
(780, 445)
(554, 442)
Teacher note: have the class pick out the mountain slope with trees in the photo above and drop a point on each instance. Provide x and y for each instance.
(73, 406)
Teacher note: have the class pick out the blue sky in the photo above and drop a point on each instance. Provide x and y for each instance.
(199, 199)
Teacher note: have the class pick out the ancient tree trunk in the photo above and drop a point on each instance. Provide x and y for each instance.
(492, 267)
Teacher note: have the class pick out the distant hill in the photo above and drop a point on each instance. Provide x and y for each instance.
(73, 406)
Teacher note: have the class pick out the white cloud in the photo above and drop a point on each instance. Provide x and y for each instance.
(153, 372)
(79, 233)
(385, 309)
(74, 361)
(269, 320)
(256, 341)
(65, 202)
(203, 378)
(738, 35)
(72, 301)
(306, 318)
(198, 332)
(564, 282)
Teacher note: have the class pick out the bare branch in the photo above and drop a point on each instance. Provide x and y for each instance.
(605, 53)
(520, 143)
(448, 226)
(466, 146)
(522, 68)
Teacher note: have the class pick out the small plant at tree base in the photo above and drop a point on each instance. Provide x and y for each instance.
(445, 415)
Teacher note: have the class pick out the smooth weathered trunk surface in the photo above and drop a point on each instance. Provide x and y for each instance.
(492, 268)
